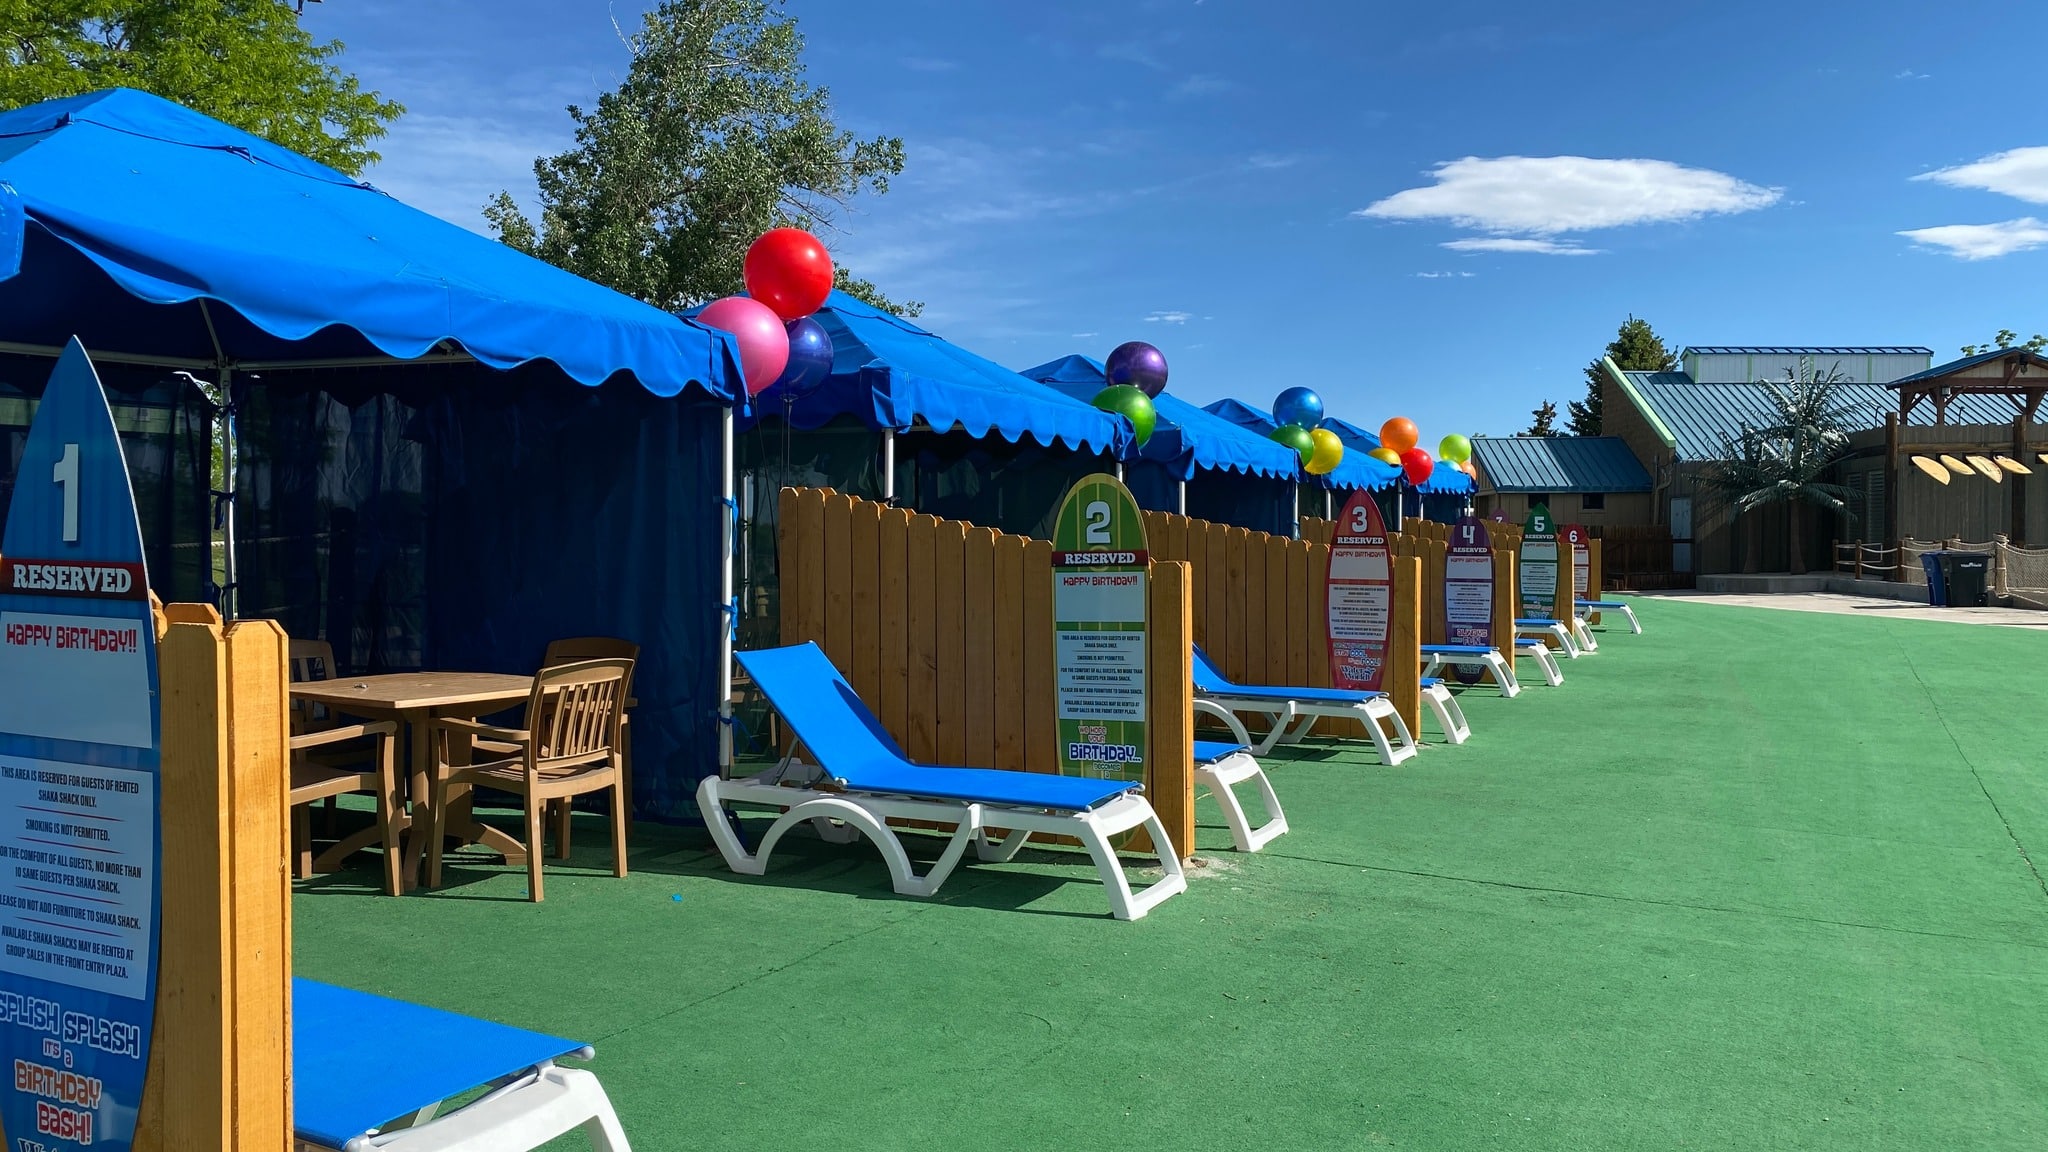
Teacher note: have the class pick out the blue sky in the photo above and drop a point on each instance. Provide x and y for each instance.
(1441, 211)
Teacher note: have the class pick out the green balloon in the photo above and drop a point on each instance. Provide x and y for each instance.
(1297, 438)
(1457, 448)
(1130, 402)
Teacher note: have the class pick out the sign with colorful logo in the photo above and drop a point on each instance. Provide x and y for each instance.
(1537, 576)
(1582, 557)
(79, 758)
(1468, 592)
(1361, 594)
(1098, 608)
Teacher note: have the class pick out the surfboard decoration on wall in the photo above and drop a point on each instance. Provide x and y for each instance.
(79, 770)
(1360, 580)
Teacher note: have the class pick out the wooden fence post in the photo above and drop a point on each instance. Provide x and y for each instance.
(1506, 603)
(224, 963)
(1170, 727)
(1404, 643)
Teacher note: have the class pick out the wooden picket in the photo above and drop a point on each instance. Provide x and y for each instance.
(945, 630)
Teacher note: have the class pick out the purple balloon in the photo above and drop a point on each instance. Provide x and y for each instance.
(810, 358)
(1139, 364)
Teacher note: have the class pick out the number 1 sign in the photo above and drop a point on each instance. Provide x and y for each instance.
(1361, 593)
(79, 757)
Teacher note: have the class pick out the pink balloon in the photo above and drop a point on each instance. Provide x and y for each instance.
(764, 343)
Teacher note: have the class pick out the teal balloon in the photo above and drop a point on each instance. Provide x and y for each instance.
(1130, 402)
(1297, 438)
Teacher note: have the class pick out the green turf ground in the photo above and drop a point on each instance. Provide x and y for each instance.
(1753, 880)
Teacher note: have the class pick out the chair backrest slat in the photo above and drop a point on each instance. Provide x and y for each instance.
(574, 710)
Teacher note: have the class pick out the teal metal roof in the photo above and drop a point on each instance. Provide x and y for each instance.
(2029, 359)
(1559, 464)
(1701, 417)
(1745, 350)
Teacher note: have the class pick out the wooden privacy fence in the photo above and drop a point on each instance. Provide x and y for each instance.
(945, 630)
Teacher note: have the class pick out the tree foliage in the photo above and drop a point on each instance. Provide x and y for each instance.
(1635, 348)
(1545, 422)
(2004, 340)
(1784, 460)
(713, 137)
(246, 62)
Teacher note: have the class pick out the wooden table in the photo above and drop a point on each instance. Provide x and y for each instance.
(413, 699)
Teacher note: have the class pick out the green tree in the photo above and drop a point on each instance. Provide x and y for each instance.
(713, 137)
(247, 62)
(2004, 340)
(1784, 461)
(1636, 348)
(1546, 420)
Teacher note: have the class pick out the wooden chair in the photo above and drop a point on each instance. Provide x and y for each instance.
(570, 746)
(571, 651)
(328, 762)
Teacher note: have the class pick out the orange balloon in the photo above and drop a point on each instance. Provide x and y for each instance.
(1400, 434)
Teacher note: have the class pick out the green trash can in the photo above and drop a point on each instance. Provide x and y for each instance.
(1968, 577)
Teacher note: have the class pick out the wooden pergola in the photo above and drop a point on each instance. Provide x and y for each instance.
(2009, 372)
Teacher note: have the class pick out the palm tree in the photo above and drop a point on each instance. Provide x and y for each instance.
(1783, 461)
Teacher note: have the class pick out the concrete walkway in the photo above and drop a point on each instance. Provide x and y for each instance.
(1862, 606)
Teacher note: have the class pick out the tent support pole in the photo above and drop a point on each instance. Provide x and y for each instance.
(726, 607)
(1183, 506)
(1327, 514)
(229, 593)
(1119, 471)
(888, 465)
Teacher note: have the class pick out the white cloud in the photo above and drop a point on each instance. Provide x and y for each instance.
(929, 64)
(1169, 317)
(1909, 74)
(1519, 244)
(1270, 161)
(451, 165)
(1084, 335)
(1201, 84)
(1982, 241)
(2021, 173)
(1547, 195)
(1446, 275)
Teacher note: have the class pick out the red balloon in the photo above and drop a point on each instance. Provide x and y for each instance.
(789, 271)
(1417, 466)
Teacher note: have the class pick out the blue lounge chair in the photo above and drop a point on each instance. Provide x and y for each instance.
(1217, 695)
(1544, 628)
(861, 779)
(370, 1073)
(1587, 607)
(1222, 766)
(1435, 656)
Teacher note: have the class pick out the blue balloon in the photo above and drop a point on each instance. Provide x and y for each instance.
(1300, 407)
(810, 358)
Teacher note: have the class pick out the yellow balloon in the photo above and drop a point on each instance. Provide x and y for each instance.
(1329, 452)
(1386, 456)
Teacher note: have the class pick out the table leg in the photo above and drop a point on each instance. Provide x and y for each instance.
(421, 824)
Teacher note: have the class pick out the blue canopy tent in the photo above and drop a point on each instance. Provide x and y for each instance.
(410, 477)
(1196, 463)
(909, 417)
(1443, 498)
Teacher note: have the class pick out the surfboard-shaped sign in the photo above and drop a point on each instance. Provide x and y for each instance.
(1468, 592)
(79, 759)
(1582, 557)
(1099, 615)
(1360, 580)
(1537, 575)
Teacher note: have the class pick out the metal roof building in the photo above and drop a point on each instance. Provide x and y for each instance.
(1552, 464)
(1746, 364)
(1696, 418)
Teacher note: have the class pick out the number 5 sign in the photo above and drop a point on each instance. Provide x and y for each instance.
(79, 757)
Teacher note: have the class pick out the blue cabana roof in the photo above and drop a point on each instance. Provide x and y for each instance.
(1445, 480)
(1356, 470)
(1186, 437)
(891, 373)
(228, 250)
